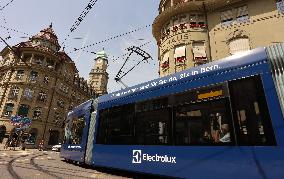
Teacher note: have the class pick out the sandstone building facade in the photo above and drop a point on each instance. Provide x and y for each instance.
(40, 82)
(194, 32)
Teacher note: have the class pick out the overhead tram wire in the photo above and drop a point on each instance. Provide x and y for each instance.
(6, 5)
(5, 22)
(111, 38)
(15, 30)
(119, 57)
(80, 19)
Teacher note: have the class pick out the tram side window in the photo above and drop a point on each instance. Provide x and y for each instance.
(77, 129)
(102, 129)
(204, 123)
(153, 122)
(120, 130)
(252, 119)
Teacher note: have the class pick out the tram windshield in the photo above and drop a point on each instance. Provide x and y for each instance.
(74, 130)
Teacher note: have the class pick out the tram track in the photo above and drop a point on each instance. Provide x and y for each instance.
(41, 169)
(10, 168)
(15, 175)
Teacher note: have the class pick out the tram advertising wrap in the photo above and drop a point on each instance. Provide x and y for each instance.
(218, 120)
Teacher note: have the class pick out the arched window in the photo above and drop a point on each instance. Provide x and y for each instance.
(23, 110)
(238, 45)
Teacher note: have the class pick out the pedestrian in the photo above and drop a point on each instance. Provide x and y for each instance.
(23, 143)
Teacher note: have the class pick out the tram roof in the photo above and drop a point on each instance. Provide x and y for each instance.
(216, 66)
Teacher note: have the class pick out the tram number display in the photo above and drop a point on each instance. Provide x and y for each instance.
(210, 94)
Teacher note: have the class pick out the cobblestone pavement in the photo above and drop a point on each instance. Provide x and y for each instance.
(30, 164)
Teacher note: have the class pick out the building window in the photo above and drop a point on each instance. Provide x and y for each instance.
(239, 45)
(63, 88)
(165, 61)
(23, 110)
(197, 20)
(199, 53)
(8, 109)
(242, 14)
(45, 80)
(42, 96)
(37, 113)
(166, 30)
(60, 103)
(227, 17)
(239, 14)
(33, 76)
(73, 95)
(57, 118)
(20, 74)
(179, 55)
(49, 63)
(280, 6)
(39, 59)
(28, 94)
(14, 93)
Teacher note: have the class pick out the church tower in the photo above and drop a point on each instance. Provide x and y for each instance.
(98, 77)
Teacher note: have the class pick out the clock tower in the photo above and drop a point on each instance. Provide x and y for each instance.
(98, 77)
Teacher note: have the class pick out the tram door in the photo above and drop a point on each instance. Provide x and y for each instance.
(252, 120)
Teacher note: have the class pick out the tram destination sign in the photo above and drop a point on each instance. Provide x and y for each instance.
(165, 80)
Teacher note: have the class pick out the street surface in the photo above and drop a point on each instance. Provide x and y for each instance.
(31, 163)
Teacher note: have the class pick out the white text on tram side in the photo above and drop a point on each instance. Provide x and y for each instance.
(138, 157)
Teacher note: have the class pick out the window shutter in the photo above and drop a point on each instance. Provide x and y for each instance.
(239, 45)
(179, 52)
(166, 57)
(199, 50)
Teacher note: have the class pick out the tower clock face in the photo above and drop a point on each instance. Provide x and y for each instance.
(99, 61)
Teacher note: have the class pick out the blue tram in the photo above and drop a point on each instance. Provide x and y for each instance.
(218, 120)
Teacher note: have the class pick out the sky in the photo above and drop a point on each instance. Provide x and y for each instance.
(106, 19)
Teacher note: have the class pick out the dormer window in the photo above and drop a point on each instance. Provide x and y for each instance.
(20, 74)
(242, 14)
(227, 17)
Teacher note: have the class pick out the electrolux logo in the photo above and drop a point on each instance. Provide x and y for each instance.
(138, 157)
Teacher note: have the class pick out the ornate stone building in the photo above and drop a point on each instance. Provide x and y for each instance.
(98, 77)
(39, 81)
(193, 32)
